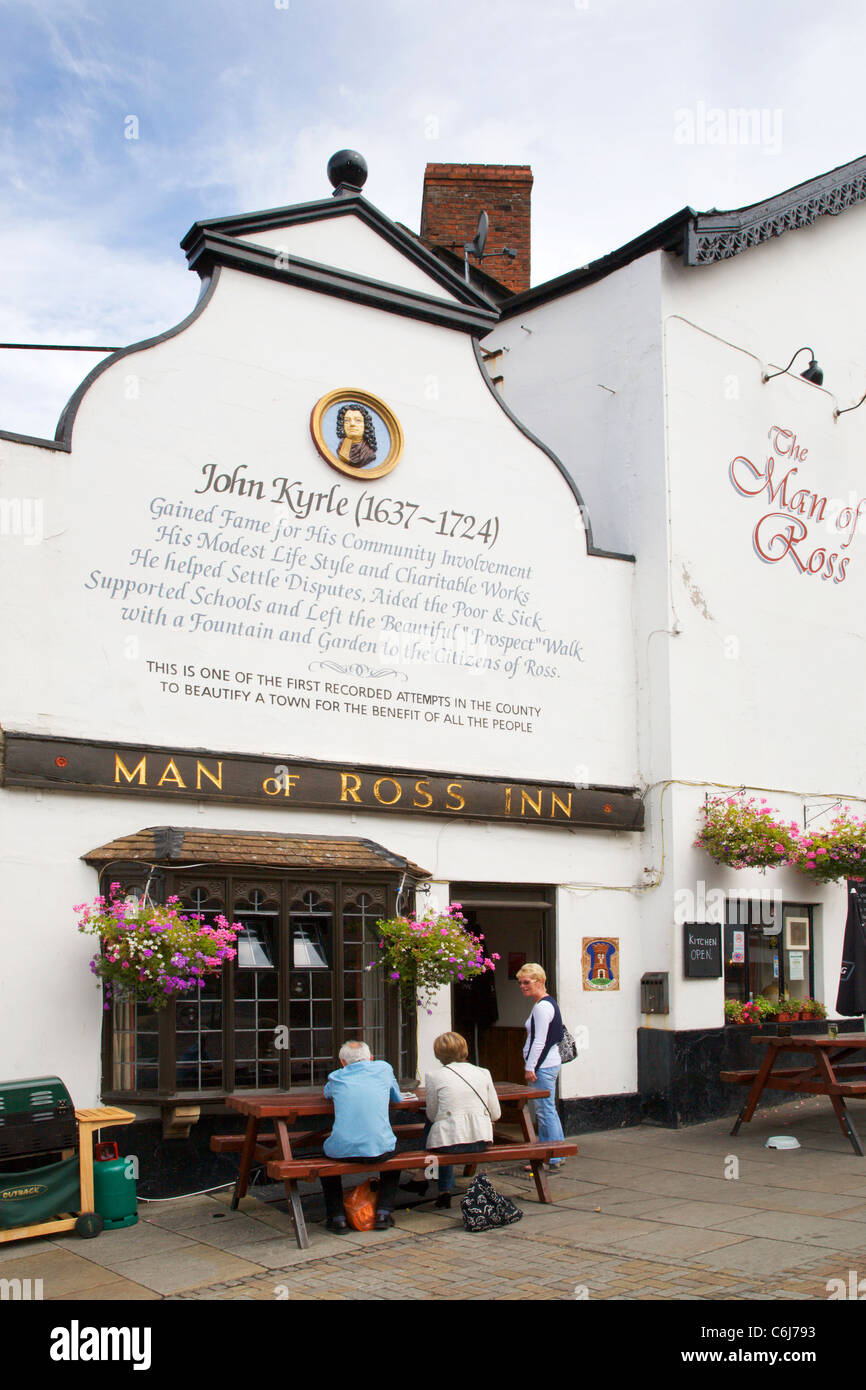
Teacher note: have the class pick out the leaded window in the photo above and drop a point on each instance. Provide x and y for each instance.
(305, 980)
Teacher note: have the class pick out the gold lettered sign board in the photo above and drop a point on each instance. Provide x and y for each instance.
(125, 769)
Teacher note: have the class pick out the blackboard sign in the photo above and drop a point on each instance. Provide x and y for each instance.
(702, 950)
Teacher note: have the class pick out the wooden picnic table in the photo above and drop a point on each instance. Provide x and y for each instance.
(287, 1108)
(828, 1072)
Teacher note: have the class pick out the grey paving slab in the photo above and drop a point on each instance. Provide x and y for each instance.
(602, 1170)
(844, 1212)
(620, 1201)
(186, 1269)
(812, 1203)
(282, 1253)
(702, 1214)
(577, 1226)
(794, 1227)
(128, 1243)
(12, 1250)
(196, 1211)
(756, 1257)
(119, 1291)
(62, 1273)
(230, 1234)
(678, 1242)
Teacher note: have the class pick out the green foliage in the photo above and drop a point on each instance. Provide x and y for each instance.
(425, 953)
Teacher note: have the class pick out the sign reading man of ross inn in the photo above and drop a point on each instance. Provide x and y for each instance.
(79, 765)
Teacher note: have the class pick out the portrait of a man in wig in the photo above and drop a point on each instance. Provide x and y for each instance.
(357, 435)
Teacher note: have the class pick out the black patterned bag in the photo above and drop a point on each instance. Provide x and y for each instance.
(483, 1208)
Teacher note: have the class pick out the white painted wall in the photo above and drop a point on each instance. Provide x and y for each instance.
(236, 389)
(350, 244)
(51, 1017)
(798, 289)
(749, 672)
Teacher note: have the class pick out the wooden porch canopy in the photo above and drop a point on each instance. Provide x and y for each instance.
(179, 845)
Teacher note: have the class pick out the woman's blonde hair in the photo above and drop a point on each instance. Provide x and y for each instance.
(451, 1047)
(532, 972)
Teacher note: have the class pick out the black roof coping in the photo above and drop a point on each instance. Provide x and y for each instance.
(702, 238)
(241, 225)
(670, 235)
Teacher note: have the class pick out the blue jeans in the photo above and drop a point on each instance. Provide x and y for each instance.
(546, 1115)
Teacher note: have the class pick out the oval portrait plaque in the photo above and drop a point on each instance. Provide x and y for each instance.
(357, 433)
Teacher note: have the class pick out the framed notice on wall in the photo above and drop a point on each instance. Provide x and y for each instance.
(516, 961)
(702, 950)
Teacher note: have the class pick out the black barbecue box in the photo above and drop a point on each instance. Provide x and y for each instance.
(36, 1117)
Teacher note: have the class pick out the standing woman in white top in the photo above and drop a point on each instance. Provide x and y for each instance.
(462, 1105)
(541, 1057)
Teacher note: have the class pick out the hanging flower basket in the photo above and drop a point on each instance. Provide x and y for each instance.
(425, 953)
(153, 953)
(740, 832)
(838, 852)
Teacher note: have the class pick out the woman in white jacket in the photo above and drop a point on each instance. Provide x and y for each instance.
(462, 1105)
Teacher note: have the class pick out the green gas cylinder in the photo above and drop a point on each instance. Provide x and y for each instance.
(114, 1189)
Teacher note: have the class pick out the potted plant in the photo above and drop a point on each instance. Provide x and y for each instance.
(424, 953)
(153, 952)
(734, 1011)
(813, 1008)
(837, 852)
(740, 832)
(786, 1012)
(769, 1009)
(752, 1013)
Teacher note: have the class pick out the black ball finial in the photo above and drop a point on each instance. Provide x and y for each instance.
(347, 170)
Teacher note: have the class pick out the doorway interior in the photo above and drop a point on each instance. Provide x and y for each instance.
(518, 921)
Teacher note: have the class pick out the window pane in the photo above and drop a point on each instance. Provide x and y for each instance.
(198, 1055)
(257, 945)
(763, 961)
(311, 945)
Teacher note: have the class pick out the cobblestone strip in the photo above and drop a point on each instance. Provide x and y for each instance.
(453, 1265)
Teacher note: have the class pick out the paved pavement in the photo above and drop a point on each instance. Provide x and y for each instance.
(641, 1214)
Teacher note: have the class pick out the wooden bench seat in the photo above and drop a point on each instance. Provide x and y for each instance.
(797, 1080)
(308, 1168)
(746, 1077)
(294, 1170)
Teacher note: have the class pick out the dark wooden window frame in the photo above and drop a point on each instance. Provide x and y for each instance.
(163, 883)
(734, 921)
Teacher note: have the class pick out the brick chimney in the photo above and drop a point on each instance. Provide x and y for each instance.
(454, 195)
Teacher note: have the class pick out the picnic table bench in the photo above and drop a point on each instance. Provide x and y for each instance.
(275, 1149)
(827, 1074)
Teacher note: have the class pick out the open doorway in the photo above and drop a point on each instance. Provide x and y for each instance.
(518, 922)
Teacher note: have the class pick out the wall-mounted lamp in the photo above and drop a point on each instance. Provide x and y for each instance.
(837, 413)
(812, 373)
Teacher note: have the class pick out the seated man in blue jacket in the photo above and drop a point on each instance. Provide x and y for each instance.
(361, 1091)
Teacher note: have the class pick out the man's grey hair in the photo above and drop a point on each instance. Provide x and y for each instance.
(354, 1052)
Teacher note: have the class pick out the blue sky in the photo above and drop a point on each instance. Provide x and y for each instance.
(238, 104)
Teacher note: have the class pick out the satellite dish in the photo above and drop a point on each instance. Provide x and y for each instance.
(476, 246)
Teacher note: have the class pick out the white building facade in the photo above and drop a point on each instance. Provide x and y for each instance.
(501, 661)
